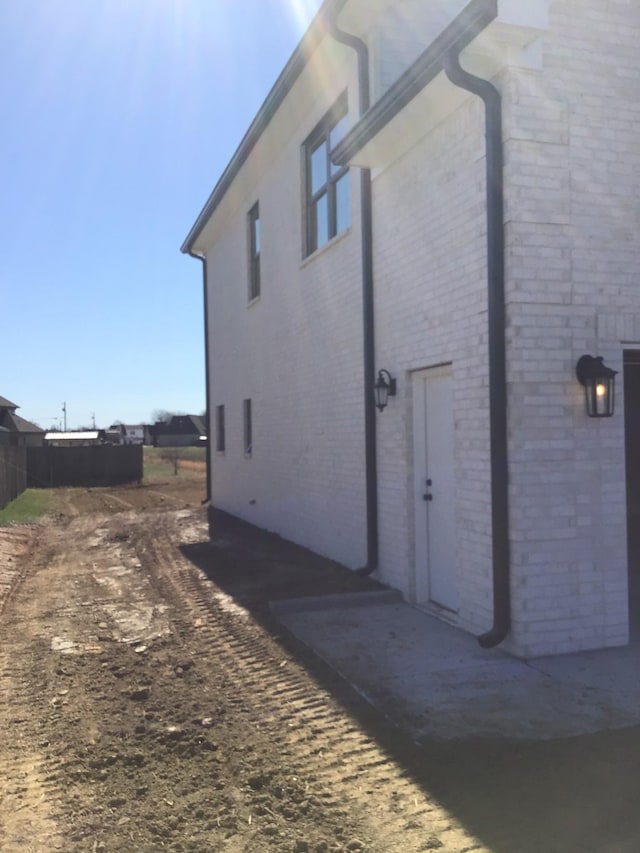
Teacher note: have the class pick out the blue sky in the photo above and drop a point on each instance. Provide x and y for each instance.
(117, 118)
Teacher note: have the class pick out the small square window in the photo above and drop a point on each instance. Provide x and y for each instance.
(247, 427)
(220, 430)
(254, 252)
(327, 202)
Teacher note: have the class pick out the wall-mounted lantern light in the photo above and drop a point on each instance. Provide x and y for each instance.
(384, 387)
(599, 383)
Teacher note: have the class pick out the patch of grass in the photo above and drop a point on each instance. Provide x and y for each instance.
(157, 470)
(192, 454)
(163, 462)
(29, 506)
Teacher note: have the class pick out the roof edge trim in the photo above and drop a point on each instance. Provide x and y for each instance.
(316, 30)
(474, 18)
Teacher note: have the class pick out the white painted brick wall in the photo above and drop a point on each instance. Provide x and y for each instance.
(572, 175)
(400, 34)
(572, 181)
(431, 307)
(572, 252)
(296, 352)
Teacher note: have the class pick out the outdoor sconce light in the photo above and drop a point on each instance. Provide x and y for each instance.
(599, 383)
(384, 387)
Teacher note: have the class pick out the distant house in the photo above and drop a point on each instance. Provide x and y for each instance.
(129, 434)
(17, 431)
(114, 434)
(180, 431)
(135, 434)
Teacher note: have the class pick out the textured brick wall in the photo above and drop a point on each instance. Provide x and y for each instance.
(573, 180)
(573, 262)
(571, 121)
(431, 308)
(401, 33)
(296, 352)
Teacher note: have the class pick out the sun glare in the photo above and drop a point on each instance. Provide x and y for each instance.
(303, 11)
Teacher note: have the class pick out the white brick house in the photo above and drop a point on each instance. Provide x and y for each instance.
(482, 491)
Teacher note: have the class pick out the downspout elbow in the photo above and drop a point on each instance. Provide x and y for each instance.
(496, 635)
(362, 52)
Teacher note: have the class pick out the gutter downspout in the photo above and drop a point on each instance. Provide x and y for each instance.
(368, 327)
(205, 297)
(497, 347)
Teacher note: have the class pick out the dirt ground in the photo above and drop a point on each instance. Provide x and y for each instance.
(149, 702)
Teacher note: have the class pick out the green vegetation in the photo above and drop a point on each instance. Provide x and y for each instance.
(163, 462)
(29, 506)
(167, 454)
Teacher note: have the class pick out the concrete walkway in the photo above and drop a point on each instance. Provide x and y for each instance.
(434, 680)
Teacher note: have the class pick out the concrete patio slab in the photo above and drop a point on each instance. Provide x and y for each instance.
(435, 681)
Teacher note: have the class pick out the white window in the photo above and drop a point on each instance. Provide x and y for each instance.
(327, 199)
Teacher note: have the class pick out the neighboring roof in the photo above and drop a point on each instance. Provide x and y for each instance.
(181, 425)
(281, 88)
(87, 435)
(23, 425)
(7, 404)
(14, 423)
(474, 18)
(199, 424)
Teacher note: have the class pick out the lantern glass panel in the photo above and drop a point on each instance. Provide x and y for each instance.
(381, 392)
(599, 397)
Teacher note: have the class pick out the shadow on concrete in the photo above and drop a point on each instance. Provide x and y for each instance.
(515, 796)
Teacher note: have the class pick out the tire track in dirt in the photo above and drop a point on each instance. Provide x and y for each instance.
(209, 735)
(41, 776)
(24, 781)
(313, 732)
(27, 781)
(15, 542)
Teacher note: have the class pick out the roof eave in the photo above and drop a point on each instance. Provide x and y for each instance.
(474, 18)
(281, 88)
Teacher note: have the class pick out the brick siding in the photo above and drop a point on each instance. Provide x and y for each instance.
(572, 174)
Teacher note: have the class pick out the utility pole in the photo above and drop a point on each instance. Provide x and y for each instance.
(64, 411)
(93, 420)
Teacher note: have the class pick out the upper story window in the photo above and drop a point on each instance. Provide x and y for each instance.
(220, 430)
(327, 203)
(247, 427)
(254, 251)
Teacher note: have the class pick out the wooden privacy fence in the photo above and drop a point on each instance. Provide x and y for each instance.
(89, 465)
(13, 473)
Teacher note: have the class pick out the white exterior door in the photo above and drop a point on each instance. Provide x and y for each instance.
(433, 438)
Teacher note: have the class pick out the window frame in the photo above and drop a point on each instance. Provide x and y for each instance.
(321, 135)
(247, 427)
(221, 438)
(253, 250)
